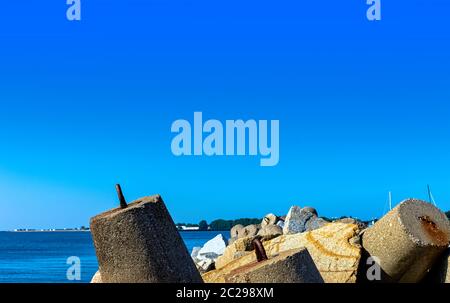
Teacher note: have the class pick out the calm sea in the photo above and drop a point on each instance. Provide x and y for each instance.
(40, 257)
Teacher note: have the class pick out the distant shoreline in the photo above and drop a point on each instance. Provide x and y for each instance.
(196, 231)
(83, 231)
(46, 231)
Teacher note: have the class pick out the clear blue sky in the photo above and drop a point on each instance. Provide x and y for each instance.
(363, 107)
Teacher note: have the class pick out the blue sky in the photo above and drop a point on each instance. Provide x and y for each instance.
(363, 106)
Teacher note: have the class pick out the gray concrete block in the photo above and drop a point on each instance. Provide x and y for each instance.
(408, 240)
(293, 266)
(141, 244)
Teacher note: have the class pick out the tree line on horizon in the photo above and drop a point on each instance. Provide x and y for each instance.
(222, 225)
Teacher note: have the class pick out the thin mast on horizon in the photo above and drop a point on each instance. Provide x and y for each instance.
(390, 200)
(430, 196)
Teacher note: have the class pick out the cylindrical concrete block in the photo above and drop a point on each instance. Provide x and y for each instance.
(444, 269)
(141, 244)
(408, 240)
(441, 270)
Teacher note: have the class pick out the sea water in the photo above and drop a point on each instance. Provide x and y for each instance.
(41, 257)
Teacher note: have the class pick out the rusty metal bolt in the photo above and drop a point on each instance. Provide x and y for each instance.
(123, 202)
(261, 254)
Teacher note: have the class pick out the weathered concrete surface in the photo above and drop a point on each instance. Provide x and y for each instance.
(360, 224)
(235, 250)
(315, 223)
(212, 249)
(281, 224)
(311, 210)
(441, 271)
(205, 265)
(97, 278)
(269, 219)
(235, 231)
(141, 244)
(195, 251)
(444, 270)
(408, 240)
(295, 221)
(218, 275)
(294, 266)
(270, 232)
(300, 220)
(333, 249)
(205, 257)
(248, 231)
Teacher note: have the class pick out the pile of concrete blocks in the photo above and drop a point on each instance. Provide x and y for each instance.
(139, 243)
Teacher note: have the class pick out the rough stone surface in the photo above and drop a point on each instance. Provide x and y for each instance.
(212, 249)
(218, 275)
(311, 210)
(97, 278)
(441, 271)
(408, 240)
(237, 249)
(294, 266)
(315, 223)
(141, 244)
(248, 231)
(332, 248)
(269, 219)
(232, 240)
(195, 251)
(360, 224)
(444, 269)
(235, 231)
(270, 232)
(293, 223)
(205, 265)
(300, 220)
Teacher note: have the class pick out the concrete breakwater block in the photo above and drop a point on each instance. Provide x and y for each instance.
(408, 241)
(268, 220)
(97, 278)
(294, 266)
(270, 232)
(212, 249)
(235, 250)
(334, 249)
(139, 243)
(441, 271)
(300, 220)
